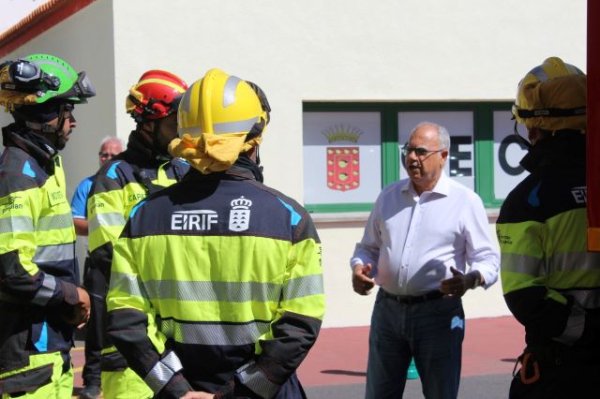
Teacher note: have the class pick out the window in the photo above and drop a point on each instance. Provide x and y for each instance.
(352, 150)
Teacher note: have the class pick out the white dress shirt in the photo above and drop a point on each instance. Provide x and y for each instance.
(412, 241)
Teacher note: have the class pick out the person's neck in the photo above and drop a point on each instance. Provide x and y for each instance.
(421, 188)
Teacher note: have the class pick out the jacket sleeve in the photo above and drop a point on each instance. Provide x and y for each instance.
(133, 329)
(106, 219)
(21, 279)
(300, 314)
(543, 312)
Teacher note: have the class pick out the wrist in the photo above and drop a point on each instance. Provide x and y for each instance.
(475, 278)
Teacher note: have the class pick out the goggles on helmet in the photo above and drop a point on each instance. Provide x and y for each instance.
(82, 89)
(27, 77)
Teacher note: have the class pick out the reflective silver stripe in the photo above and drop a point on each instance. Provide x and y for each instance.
(107, 220)
(229, 90)
(571, 261)
(55, 222)
(46, 291)
(185, 101)
(47, 61)
(521, 264)
(586, 298)
(214, 333)
(125, 283)
(213, 291)
(22, 224)
(54, 253)
(303, 286)
(539, 73)
(574, 328)
(234, 127)
(162, 372)
(253, 378)
(221, 128)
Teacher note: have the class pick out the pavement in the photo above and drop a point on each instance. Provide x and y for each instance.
(335, 368)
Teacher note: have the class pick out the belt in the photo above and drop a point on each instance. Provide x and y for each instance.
(411, 299)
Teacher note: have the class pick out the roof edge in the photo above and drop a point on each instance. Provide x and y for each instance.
(38, 21)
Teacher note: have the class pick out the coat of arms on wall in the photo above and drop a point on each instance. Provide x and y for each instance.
(343, 162)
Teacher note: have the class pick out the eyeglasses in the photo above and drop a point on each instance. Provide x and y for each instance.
(419, 151)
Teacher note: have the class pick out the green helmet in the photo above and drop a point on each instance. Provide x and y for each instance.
(39, 78)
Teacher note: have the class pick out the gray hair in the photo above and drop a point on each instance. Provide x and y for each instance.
(112, 139)
(443, 135)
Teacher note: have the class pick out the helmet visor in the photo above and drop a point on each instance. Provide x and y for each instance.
(82, 89)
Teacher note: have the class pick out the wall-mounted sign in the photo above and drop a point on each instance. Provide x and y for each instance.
(342, 157)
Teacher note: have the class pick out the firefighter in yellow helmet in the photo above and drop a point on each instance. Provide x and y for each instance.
(216, 287)
(40, 298)
(551, 283)
(145, 167)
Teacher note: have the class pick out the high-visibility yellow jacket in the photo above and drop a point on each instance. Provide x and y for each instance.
(216, 284)
(38, 268)
(549, 279)
(118, 187)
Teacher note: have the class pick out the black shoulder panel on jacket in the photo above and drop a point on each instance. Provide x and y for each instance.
(220, 206)
(544, 195)
(19, 172)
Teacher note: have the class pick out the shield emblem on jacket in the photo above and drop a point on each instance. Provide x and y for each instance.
(239, 216)
(343, 168)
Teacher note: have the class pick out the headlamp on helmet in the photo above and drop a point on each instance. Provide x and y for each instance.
(39, 78)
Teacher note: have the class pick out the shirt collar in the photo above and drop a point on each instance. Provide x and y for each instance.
(442, 186)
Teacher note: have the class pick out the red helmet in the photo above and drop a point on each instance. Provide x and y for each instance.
(155, 96)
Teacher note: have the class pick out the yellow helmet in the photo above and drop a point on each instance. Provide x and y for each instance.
(219, 117)
(552, 96)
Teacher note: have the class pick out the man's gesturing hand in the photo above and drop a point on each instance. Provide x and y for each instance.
(362, 282)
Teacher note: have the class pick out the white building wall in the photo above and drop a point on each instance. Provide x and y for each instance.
(314, 50)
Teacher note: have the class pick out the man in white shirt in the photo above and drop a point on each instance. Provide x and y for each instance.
(427, 241)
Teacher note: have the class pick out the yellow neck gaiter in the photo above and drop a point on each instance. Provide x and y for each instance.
(211, 153)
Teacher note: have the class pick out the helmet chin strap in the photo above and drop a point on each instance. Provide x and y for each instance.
(47, 128)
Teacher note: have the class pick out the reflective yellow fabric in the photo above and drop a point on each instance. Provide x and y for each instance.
(254, 288)
(36, 217)
(60, 385)
(551, 254)
(108, 211)
(124, 384)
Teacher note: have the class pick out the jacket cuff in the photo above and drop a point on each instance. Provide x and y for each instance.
(175, 388)
(252, 377)
(70, 295)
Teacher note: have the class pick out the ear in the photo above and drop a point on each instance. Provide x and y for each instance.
(445, 154)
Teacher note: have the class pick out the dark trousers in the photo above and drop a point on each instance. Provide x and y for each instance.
(555, 380)
(431, 331)
(552, 370)
(94, 282)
